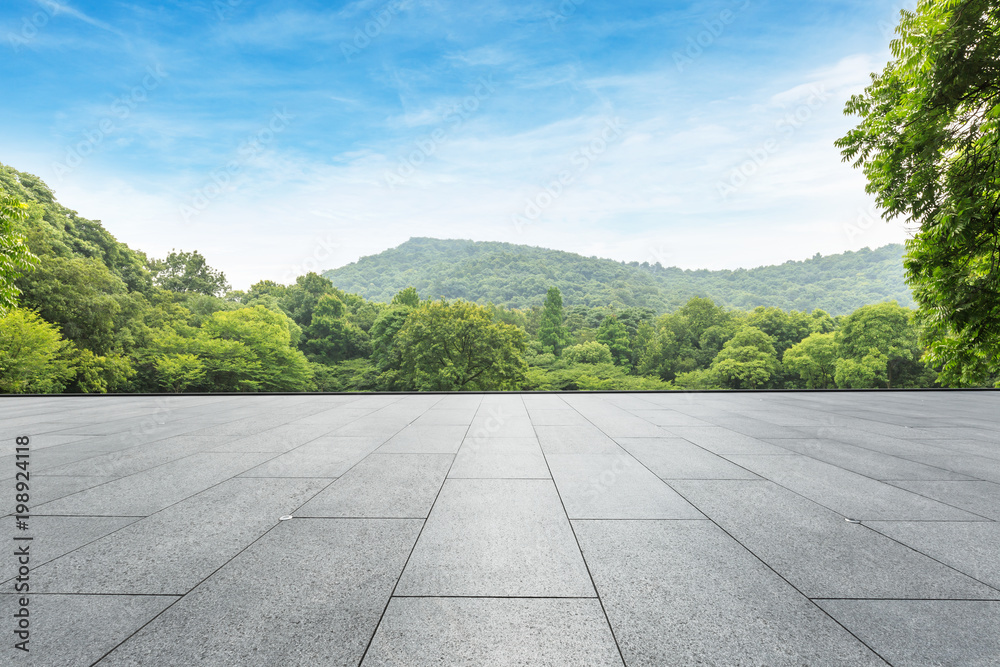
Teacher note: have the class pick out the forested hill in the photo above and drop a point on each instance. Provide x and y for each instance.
(518, 276)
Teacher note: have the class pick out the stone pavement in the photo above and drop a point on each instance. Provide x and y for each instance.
(507, 529)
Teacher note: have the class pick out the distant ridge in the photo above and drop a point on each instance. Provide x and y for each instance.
(519, 275)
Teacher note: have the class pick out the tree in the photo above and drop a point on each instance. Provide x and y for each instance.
(929, 144)
(188, 272)
(448, 346)
(878, 346)
(814, 359)
(747, 360)
(588, 353)
(34, 358)
(330, 338)
(15, 257)
(613, 334)
(552, 333)
(406, 297)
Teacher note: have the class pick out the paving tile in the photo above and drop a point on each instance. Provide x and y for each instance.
(500, 457)
(174, 550)
(73, 630)
(982, 498)
(978, 467)
(669, 418)
(46, 488)
(135, 459)
(454, 417)
(310, 592)
(54, 536)
(497, 537)
(721, 605)
(724, 441)
(152, 490)
(334, 417)
(329, 456)
(924, 633)
(421, 632)
(566, 417)
(280, 439)
(383, 485)
(676, 458)
(817, 551)
(575, 440)
(969, 547)
(614, 486)
(852, 495)
(865, 461)
(426, 438)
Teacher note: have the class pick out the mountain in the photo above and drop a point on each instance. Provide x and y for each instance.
(518, 276)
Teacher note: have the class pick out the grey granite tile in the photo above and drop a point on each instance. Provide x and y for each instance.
(565, 417)
(721, 605)
(982, 498)
(329, 456)
(575, 440)
(280, 439)
(383, 485)
(152, 490)
(969, 547)
(54, 536)
(817, 551)
(129, 461)
(500, 457)
(335, 417)
(424, 438)
(724, 441)
(496, 537)
(310, 592)
(865, 461)
(44, 488)
(676, 458)
(73, 630)
(454, 417)
(172, 551)
(614, 486)
(421, 632)
(669, 418)
(919, 633)
(852, 495)
(978, 467)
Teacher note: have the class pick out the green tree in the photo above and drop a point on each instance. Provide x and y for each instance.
(929, 144)
(552, 333)
(34, 357)
(591, 352)
(188, 272)
(878, 346)
(15, 257)
(330, 338)
(814, 359)
(406, 297)
(458, 346)
(177, 372)
(613, 334)
(747, 360)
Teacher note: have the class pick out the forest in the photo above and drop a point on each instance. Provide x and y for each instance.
(94, 316)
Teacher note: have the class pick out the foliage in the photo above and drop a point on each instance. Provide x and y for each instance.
(878, 346)
(747, 360)
(814, 359)
(188, 272)
(552, 332)
(449, 346)
(613, 335)
(929, 144)
(591, 352)
(34, 357)
(518, 276)
(15, 256)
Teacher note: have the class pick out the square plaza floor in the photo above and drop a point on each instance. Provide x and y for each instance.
(507, 529)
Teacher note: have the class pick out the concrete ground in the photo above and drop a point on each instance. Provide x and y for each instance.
(555, 529)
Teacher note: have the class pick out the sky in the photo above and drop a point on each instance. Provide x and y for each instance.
(278, 138)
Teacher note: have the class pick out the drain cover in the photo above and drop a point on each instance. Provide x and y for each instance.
(845, 519)
(286, 517)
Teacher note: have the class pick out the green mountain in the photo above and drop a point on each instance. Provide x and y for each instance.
(517, 276)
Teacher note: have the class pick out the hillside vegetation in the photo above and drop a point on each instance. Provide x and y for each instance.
(517, 276)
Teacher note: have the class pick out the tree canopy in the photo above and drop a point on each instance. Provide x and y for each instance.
(929, 144)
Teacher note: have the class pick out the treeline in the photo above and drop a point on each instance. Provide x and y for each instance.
(97, 316)
(517, 276)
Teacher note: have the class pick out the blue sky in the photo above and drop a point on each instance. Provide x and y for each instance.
(282, 137)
